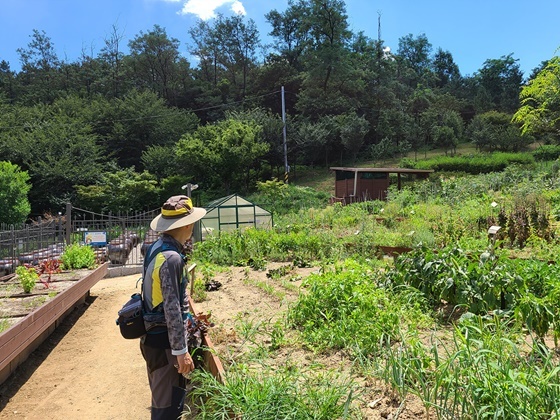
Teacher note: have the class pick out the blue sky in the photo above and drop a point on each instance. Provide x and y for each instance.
(473, 31)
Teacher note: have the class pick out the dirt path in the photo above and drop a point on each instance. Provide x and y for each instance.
(85, 369)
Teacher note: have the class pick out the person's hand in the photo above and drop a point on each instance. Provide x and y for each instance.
(185, 363)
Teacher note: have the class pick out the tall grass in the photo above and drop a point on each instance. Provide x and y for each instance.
(266, 393)
(482, 372)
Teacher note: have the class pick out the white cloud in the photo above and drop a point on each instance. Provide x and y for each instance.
(238, 8)
(206, 9)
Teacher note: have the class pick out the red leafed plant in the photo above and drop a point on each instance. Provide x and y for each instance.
(48, 267)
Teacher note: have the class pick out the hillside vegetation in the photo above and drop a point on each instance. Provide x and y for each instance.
(124, 128)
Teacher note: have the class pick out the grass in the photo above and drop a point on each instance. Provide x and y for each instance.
(4, 324)
(262, 392)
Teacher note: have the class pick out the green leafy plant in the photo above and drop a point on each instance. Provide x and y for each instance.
(345, 309)
(78, 256)
(199, 290)
(27, 277)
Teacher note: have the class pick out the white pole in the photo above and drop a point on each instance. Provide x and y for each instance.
(286, 167)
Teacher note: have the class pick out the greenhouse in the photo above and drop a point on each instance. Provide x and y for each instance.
(233, 212)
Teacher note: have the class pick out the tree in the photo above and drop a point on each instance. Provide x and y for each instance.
(153, 61)
(385, 149)
(40, 66)
(56, 146)
(494, 130)
(539, 113)
(206, 49)
(112, 56)
(59, 153)
(14, 187)
(271, 125)
(445, 69)
(7, 81)
(227, 51)
(353, 129)
(239, 42)
(501, 79)
(290, 31)
(160, 161)
(128, 126)
(331, 81)
(396, 125)
(120, 190)
(316, 142)
(221, 155)
(442, 128)
(416, 54)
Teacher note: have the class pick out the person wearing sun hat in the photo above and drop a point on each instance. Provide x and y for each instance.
(164, 347)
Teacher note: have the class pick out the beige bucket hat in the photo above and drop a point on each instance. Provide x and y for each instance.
(176, 212)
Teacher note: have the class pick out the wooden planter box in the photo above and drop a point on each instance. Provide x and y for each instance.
(18, 341)
(212, 362)
(393, 251)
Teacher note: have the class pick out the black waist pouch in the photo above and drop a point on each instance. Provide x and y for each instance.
(158, 338)
(130, 318)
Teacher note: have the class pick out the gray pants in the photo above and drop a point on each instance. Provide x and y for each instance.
(166, 384)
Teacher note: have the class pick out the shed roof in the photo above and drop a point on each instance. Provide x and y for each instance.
(385, 170)
(232, 200)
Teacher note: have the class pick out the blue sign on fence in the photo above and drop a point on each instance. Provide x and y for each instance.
(95, 238)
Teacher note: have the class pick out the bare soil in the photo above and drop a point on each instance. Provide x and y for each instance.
(86, 370)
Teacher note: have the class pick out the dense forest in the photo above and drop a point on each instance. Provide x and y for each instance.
(118, 130)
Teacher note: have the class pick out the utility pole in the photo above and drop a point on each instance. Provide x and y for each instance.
(286, 167)
(190, 188)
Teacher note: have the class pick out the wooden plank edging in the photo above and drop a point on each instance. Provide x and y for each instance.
(212, 362)
(18, 341)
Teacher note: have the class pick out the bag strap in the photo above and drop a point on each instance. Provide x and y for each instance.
(150, 256)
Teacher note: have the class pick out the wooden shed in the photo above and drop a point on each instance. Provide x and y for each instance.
(363, 184)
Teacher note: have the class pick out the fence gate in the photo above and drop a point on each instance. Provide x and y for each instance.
(120, 239)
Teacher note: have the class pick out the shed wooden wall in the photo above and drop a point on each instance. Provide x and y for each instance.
(366, 189)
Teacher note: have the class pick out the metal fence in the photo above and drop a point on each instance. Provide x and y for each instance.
(30, 243)
(117, 238)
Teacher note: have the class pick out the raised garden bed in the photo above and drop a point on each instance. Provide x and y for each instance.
(32, 317)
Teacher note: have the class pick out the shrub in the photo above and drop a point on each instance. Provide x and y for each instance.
(78, 256)
(27, 277)
(14, 187)
(547, 152)
(476, 164)
(281, 198)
